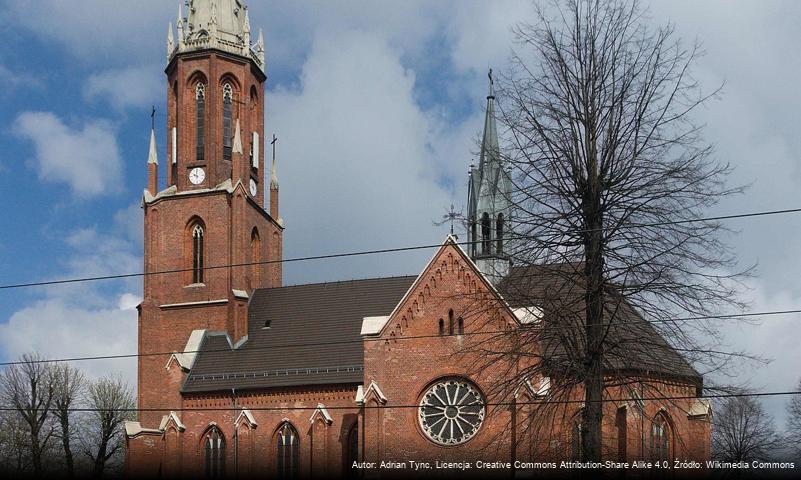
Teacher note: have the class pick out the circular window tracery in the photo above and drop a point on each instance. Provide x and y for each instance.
(451, 411)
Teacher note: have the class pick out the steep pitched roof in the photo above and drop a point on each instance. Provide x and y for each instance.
(632, 343)
(313, 336)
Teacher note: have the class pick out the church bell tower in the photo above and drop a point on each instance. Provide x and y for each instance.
(206, 222)
(489, 202)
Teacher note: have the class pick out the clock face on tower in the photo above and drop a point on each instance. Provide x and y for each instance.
(197, 175)
(253, 188)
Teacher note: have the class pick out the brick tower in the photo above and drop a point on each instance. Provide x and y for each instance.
(211, 213)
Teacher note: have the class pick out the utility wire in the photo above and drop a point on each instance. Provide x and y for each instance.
(544, 401)
(362, 252)
(361, 340)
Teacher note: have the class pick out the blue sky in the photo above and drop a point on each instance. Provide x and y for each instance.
(377, 106)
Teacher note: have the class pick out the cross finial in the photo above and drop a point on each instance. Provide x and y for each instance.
(491, 85)
(153, 118)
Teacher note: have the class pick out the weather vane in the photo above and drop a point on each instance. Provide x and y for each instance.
(450, 216)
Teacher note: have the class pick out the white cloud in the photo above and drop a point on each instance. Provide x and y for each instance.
(87, 158)
(355, 157)
(56, 329)
(91, 318)
(126, 87)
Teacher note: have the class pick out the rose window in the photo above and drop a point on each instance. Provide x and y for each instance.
(451, 411)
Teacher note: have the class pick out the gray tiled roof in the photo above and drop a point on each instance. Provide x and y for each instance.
(631, 344)
(328, 315)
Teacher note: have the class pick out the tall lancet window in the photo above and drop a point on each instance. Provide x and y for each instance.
(228, 97)
(215, 453)
(486, 241)
(200, 120)
(197, 254)
(288, 451)
(499, 234)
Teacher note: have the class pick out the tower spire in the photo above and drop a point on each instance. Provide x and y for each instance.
(152, 160)
(273, 172)
(170, 41)
(489, 204)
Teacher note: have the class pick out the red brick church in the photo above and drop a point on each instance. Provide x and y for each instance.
(318, 379)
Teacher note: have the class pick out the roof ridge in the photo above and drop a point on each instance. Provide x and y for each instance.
(335, 282)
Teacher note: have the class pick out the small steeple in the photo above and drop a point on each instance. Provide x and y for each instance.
(152, 164)
(260, 48)
(273, 171)
(170, 41)
(489, 202)
(246, 29)
(152, 156)
(180, 26)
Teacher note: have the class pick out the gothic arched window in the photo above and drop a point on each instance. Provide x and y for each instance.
(660, 438)
(288, 451)
(499, 234)
(197, 254)
(441, 326)
(214, 445)
(200, 120)
(450, 322)
(622, 430)
(460, 326)
(486, 241)
(228, 97)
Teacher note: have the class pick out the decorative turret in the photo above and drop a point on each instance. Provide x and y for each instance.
(489, 202)
(152, 165)
(218, 24)
(274, 185)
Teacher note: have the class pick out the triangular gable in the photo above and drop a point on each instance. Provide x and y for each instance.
(373, 392)
(186, 359)
(450, 243)
(171, 419)
(321, 413)
(246, 417)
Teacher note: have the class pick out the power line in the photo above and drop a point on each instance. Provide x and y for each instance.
(361, 340)
(544, 401)
(361, 253)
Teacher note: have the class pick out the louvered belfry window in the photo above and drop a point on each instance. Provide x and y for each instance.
(228, 94)
(200, 120)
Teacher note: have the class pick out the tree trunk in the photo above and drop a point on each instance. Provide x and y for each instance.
(65, 440)
(592, 413)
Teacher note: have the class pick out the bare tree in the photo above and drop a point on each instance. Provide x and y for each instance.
(794, 422)
(111, 402)
(612, 179)
(743, 432)
(14, 452)
(28, 388)
(69, 386)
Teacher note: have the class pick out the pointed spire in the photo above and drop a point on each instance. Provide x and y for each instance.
(273, 171)
(180, 27)
(152, 156)
(490, 151)
(237, 148)
(170, 41)
(260, 48)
